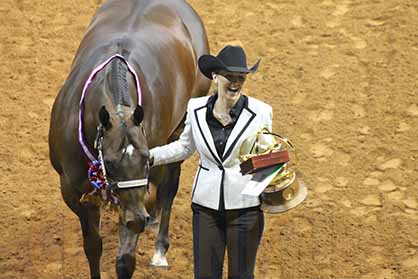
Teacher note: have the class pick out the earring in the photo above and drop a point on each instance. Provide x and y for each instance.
(215, 78)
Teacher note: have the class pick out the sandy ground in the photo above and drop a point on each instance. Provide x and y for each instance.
(342, 79)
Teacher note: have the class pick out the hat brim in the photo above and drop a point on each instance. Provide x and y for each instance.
(209, 64)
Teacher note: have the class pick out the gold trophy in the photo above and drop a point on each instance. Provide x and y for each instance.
(267, 149)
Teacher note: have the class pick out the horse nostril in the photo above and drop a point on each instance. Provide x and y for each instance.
(147, 220)
(135, 226)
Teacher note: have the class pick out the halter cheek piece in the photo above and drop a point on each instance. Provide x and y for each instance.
(98, 145)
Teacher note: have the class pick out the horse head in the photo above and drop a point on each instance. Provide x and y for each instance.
(126, 161)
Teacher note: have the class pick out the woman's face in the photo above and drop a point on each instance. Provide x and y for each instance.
(229, 85)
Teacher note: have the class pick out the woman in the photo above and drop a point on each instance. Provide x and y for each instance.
(216, 126)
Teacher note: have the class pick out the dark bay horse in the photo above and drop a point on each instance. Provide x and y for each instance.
(145, 54)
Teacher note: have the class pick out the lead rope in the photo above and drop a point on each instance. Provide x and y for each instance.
(101, 160)
(148, 159)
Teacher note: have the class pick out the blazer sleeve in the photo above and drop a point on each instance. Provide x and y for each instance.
(178, 150)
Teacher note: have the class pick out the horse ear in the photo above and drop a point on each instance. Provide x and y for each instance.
(104, 117)
(138, 115)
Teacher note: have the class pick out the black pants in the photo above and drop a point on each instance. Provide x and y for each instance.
(238, 230)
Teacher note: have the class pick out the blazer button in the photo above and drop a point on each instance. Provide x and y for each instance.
(220, 167)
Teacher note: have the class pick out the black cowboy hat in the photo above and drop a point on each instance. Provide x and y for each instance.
(230, 59)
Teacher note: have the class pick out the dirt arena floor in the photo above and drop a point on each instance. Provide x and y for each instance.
(342, 77)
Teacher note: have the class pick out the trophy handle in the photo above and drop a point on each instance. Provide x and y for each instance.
(265, 131)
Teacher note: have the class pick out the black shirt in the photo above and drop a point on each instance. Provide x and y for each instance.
(219, 132)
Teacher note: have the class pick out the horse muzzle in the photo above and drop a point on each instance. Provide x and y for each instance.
(136, 221)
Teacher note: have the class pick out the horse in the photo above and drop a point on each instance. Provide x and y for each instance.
(127, 91)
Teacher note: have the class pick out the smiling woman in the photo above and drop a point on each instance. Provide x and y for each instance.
(216, 126)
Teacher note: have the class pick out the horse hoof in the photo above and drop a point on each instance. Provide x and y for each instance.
(159, 260)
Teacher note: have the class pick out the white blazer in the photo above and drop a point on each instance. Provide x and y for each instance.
(213, 170)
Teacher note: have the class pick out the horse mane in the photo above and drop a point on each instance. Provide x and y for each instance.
(119, 82)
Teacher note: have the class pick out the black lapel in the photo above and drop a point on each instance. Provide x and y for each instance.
(208, 133)
(240, 132)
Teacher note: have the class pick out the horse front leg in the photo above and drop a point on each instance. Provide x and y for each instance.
(125, 262)
(92, 242)
(166, 194)
(89, 216)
